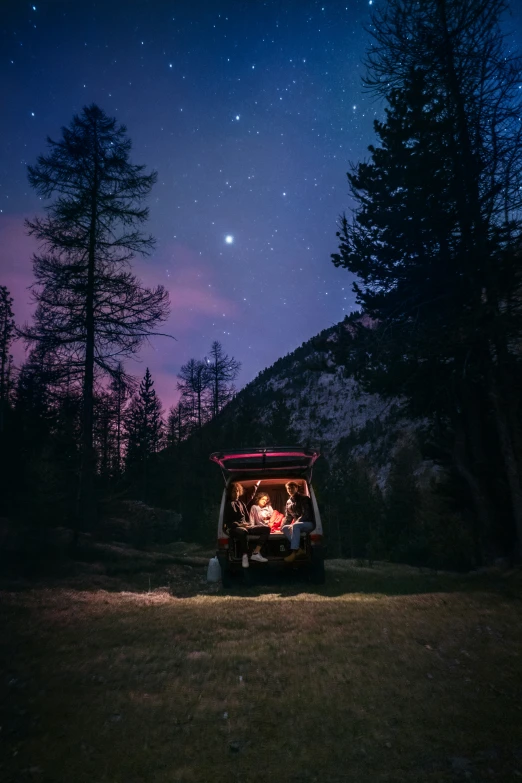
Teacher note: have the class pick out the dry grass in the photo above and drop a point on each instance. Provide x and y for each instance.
(382, 675)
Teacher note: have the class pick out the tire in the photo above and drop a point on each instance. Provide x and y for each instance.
(316, 572)
(226, 574)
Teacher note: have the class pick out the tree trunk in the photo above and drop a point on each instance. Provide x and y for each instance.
(479, 500)
(119, 404)
(509, 457)
(86, 503)
(3, 366)
(199, 408)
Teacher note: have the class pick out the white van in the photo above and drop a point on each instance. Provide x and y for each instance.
(273, 467)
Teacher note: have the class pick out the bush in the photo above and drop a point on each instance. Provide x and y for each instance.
(135, 523)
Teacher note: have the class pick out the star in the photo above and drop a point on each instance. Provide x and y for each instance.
(195, 154)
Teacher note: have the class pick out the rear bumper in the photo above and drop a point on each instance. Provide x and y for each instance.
(228, 559)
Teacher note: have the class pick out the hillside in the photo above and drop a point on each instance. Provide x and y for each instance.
(307, 397)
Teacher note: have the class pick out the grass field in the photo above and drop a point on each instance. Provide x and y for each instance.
(380, 675)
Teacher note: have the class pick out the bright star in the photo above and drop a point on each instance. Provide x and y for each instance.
(229, 239)
(237, 116)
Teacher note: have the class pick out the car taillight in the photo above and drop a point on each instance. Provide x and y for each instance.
(222, 543)
(316, 539)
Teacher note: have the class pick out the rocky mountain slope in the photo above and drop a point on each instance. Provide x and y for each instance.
(306, 397)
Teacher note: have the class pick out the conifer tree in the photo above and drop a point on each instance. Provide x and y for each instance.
(178, 426)
(41, 473)
(434, 239)
(105, 433)
(356, 504)
(151, 415)
(279, 425)
(145, 431)
(121, 387)
(402, 503)
(194, 384)
(91, 309)
(7, 326)
(222, 372)
(133, 427)
(246, 429)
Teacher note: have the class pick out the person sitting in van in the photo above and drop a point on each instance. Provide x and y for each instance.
(298, 519)
(237, 524)
(262, 513)
(261, 510)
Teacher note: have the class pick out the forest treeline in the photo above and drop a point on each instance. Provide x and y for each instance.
(135, 441)
(434, 243)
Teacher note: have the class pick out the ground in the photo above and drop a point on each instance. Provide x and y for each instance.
(136, 670)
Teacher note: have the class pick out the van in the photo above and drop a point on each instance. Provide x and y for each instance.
(273, 468)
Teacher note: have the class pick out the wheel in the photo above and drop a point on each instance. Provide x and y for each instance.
(316, 572)
(226, 574)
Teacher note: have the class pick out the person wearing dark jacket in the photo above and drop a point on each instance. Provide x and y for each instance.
(237, 524)
(298, 519)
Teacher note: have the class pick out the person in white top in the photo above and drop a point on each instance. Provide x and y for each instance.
(261, 510)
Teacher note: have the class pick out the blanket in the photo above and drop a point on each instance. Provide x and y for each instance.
(275, 522)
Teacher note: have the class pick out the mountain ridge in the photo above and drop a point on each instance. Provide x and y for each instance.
(324, 404)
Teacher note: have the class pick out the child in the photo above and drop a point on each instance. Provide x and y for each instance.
(262, 513)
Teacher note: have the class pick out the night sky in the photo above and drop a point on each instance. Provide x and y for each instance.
(250, 112)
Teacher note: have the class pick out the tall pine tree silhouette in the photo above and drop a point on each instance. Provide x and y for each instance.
(122, 386)
(7, 326)
(435, 235)
(194, 384)
(145, 432)
(92, 310)
(222, 372)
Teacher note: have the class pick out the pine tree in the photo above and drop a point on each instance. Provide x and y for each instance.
(178, 426)
(355, 505)
(7, 326)
(121, 387)
(91, 309)
(145, 432)
(402, 503)
(434, 238)
(105, 437)
(279, 425)
(222, 372)
(194, 384)
(133, 428)
(246, 429)
(152, 415)
(41, 474)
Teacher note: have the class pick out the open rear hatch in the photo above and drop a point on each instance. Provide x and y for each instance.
(291, 461)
